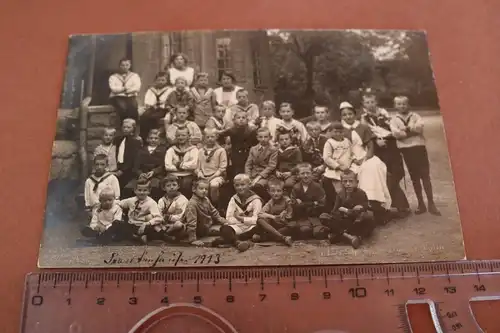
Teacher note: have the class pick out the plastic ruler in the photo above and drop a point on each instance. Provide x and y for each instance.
(421, 297)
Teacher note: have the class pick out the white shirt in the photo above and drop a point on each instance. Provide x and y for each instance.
(187, 73)
(121, 151)
(94, 186)
(130, 81)
(157, 97)
(412, 121)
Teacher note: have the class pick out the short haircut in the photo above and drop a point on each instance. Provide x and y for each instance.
(125, 59)
(209, 130)
(276, 182)
(200, 181)
(263, 130)
(242, 177)
(286, 105)
(349, 173)
(304, 166)
(178, 54)
(154, 131)
(181, 107)
(240, 112)
(228, 74)
(337, 125)
(109, 130)
(180, 78)
(100, 157)
(269, 103)
(170, 178)
(241, 91)
(220, 107)
(280, 133)
(107, 192)
(161, 74)
(201, 75)
(313, 124)
(402, 98)
(316, 107)
(143, 182)
(369, 94)
(130, 121)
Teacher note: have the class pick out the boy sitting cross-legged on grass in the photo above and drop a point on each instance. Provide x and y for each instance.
(350, 219)
(242, 213)
(308, 200)
(172, 207)
(106, 223)
(275, 215)
(142, 211)
(201, 217)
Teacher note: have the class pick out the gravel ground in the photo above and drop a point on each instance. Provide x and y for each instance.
(416, 238)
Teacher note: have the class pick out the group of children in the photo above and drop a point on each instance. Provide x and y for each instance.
(323, 180)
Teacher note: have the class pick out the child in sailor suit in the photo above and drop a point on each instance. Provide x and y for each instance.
(181, 114)
(216, 121)
(181, 160)
(124, 86)
(99, 180)
(252, 110)
(204, 100)
(289, 124)
(408, 127)
(180, 96)
(106, 223)
(241, 215)
(155, 102)
(142, 211)
(172, 207)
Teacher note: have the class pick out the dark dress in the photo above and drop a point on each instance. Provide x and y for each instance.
(146, 162)
(393, 160)
(132, 146)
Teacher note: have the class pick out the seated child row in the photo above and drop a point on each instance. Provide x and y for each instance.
(283, 219)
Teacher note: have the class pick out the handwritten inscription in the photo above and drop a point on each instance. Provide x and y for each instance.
(162, 258)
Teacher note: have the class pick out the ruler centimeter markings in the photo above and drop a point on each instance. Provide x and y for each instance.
(266, 299)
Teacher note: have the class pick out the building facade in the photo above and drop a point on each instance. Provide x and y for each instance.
(92, 59)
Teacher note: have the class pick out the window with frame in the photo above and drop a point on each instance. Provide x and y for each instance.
(172, 43)
(257, 74)
(223, 54)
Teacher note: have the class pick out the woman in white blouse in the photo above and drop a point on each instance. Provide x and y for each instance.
(178, 67)
(226, 93)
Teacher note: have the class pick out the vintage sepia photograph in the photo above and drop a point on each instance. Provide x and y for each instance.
(265, 147)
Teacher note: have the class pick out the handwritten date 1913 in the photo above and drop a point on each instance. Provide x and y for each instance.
(162, 258)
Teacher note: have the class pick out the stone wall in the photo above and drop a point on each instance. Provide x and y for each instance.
(65, 162)
(66, 149)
